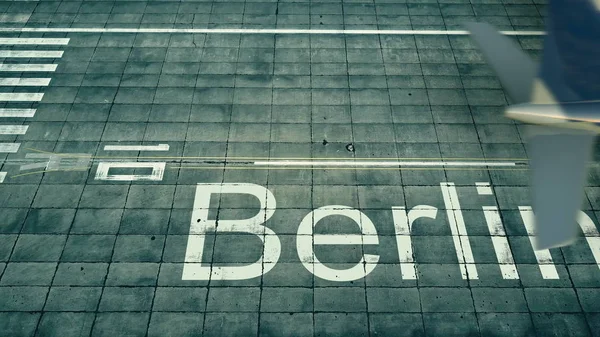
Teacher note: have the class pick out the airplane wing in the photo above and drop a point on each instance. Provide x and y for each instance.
(513, 67)
(559, 147)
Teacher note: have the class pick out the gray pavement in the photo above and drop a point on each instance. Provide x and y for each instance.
(129, 241)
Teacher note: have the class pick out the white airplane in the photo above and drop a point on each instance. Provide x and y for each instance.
(560, 102)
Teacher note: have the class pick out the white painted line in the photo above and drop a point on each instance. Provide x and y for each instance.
(484, 189)
(159, 147)
(55, 54)
(24, 113)
(2, 176)
(501, 245)
(158, 170)
(9, 147)
(27, 67)
(459, 232)
(262, 31)
(13, 129)
(24, 82)
(592, 236)
(21, 96)
(344, 239)
(543, 257)
(402, 226)
(380, 163)
(33, 41)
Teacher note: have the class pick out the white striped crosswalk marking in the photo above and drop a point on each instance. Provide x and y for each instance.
(13, 129)
(2, 176)
(18, 113)
(9, 112)
(9, 147)
(21, 96)
(27, 67)
(33, 41)
(24, 82)
(54, 54)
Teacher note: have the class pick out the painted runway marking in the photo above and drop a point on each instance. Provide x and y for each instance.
(2, 177)
(352, 163)
(13, 129)
(202, 225)
(24, 82)
(543, 256)
(9, 147)
(31, 41)
(500, 243)
(592, 236)
(462, 245)
(55, 54)
(263, 31)
(24, 113)
(21, 97)
(28, 67)
(484, 188)
(403, 222)
(306, 239)
(53, 162)
(159, 147)
(18, 97)
(158, 170)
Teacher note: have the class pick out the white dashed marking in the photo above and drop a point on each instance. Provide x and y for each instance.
(54, 54)
(9, 147)
(23, 113)
(21, 97)
(24, 82)
(27, 67)
(159, 147)
(30, 40)
(13, 129)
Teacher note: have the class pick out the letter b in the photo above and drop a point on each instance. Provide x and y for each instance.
(201, 225)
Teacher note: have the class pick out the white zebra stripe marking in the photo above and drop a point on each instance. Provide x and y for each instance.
(32, 41)
(9, 147)
(13, 129)
(24, 82)
(27, 67)
(2, 176)
(22, 113)
(55, 54)
(21, 97)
